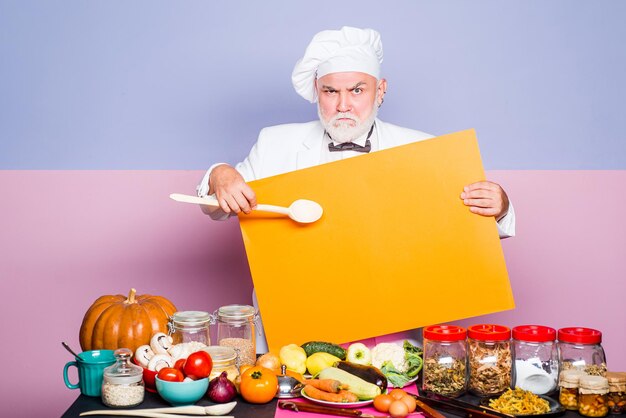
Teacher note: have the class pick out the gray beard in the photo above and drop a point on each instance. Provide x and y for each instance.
(343, 132)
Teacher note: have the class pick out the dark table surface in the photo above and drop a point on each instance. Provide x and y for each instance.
(242, 410)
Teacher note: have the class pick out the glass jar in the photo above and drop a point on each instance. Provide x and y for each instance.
(592, 396)
(236, 329)
(445, 359)
(224, 360)
(581, 348)
(617, 392)
(568, 392)
(190, 326)
(536, 366)
(122, 382)
(489, 359)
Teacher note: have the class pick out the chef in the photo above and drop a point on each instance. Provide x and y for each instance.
(341, 72)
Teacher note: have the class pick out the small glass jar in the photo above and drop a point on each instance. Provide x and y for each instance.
(445, 360)
(617, 392)
(536, 366)
(122, 382)
(236, 329)
(190, 326)
(592, 396)
(489, 359)
(224, 360)
(568, 388)
(581, 348)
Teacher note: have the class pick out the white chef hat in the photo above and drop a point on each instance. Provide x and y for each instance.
(335, 51)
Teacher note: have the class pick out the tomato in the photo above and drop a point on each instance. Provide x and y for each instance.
(258, 385)
(170, 374)
(198, 365)
(382, 402)
(180, 364)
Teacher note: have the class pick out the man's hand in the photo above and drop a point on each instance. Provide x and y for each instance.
(231, 191)
(486, 198)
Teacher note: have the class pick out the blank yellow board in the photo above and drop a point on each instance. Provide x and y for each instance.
(396, 249)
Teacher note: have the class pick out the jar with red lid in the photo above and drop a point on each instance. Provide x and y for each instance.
(489, 356)
(536, 361)
(581, 348)
(445, 360)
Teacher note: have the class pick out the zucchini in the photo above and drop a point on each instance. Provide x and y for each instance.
(368, 373)
(361, 388)
(313, 347)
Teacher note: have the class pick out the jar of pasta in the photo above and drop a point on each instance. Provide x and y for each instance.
(617, 392)
(536, 366)
(445, 358)
(489, 356)
(592, 396)
(568, 388)
(581, 348)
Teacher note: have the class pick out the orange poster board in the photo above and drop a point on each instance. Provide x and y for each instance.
(396, 249)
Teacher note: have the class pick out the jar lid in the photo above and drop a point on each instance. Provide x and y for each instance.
(593, 383)
(534, 333)
(445, 333)
(123, 371)
(571, 376)
(580, 335)
(489, 332)
(221, 354)
(616, 377)
(236, 313)
(191, 318)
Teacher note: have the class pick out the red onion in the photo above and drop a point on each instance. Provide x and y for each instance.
(221, 389)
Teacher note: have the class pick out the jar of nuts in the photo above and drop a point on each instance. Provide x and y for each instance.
(489, 358)
(445, 358)
(592, 396)
(581, 348)
(617, 392)
(568, 384)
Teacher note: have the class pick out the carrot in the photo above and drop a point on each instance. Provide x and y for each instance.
(342, 397)
(327, 385)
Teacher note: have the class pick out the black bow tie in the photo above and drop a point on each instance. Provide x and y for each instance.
(351, 146)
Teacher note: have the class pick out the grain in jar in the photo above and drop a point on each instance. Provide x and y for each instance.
(592, 396)
(122, 384)
(236, 329)
(445, 358)
(489, 357)
(224, 360)
(581, 348)
(568, 388)
(617, 392)
(190, 326)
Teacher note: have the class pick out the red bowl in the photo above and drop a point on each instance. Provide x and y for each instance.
(148, 378)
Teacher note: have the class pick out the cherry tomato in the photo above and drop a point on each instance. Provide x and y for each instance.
(397, 394)
(180, 365)
(382, 402)
(258, 385)
(170, 374)
(398, 409)
(198, 365)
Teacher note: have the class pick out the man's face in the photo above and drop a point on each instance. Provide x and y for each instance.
(348, 103)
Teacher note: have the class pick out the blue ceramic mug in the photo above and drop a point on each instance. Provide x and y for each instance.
(90, 365)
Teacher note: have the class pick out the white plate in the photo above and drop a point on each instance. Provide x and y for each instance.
(359, 404)
(390, 385)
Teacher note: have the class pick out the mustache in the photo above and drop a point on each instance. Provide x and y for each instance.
(344, 115)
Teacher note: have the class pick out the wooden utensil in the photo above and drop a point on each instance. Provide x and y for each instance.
(175, 412)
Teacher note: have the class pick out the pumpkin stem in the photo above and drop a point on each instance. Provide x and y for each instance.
(131, 296)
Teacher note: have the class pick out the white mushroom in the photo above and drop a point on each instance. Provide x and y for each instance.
(161, 342)
(183, 350)
(143, 354)
(159, 361)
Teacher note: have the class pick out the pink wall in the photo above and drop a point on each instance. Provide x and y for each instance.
(68, 237)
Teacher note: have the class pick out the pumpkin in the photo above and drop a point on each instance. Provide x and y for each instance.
(115, 321)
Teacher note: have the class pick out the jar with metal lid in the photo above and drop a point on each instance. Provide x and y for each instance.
(188, 326)
(489, 357)
(536, 366)
(617, 392)
(568, 388)
(122, 382)
(224, 360)
(581, 348)
(445, 359)
(236, 329)
(592, 396)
